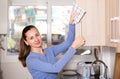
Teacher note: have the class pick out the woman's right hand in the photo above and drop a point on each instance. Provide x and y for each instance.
(78, 42)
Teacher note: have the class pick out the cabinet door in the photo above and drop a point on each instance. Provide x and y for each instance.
(114, 21)
(92, 26)
(3, 16)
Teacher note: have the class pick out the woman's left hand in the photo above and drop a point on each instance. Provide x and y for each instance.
(73, 15)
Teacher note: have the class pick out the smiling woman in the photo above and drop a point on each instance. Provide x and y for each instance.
(41, 62)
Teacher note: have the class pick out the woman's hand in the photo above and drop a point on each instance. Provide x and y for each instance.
(78, 42)
(73, 15)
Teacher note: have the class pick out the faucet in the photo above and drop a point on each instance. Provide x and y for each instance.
(96, 51)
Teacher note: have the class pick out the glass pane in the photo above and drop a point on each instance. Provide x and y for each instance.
(60, 20)
(19, 17)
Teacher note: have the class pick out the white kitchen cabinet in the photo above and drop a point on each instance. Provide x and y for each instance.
(3, 16)
(92, 26)
(95, 25)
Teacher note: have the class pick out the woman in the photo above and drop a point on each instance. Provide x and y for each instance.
(42, 63)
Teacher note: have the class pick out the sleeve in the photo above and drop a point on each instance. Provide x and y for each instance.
(67, 43)
(36, 64)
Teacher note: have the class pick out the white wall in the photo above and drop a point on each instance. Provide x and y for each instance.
(14, 70)
(108, 56)
(3, 16)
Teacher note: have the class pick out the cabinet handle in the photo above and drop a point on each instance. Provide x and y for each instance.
(114, 29)
(114, 18)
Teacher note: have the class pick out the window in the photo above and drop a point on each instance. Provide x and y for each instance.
(60, 20)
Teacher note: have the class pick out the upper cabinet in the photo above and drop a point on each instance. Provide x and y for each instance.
(92, 26)
(113, 22)
(3, 16)
(97, 26)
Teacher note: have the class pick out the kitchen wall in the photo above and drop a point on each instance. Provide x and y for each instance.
(108, 56)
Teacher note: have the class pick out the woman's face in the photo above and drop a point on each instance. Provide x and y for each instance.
(33, 38)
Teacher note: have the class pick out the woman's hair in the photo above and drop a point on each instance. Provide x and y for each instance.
(24, 49)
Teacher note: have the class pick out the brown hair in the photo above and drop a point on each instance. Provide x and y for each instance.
(24, 49)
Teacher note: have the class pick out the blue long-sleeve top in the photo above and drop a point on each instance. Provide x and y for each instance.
(46, 66)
